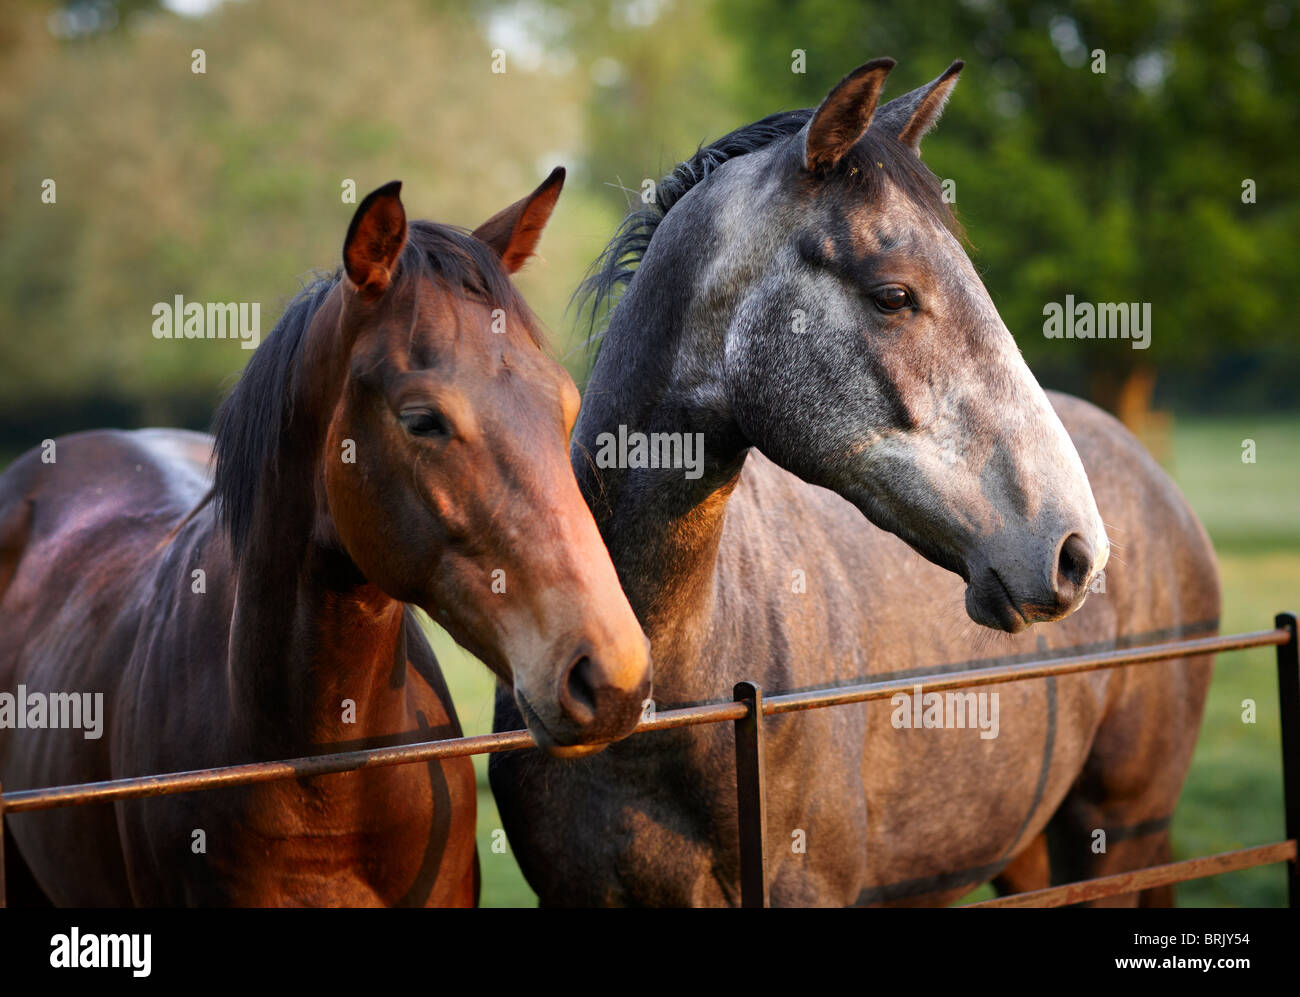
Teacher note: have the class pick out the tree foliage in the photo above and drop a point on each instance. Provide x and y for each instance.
(1122, 185)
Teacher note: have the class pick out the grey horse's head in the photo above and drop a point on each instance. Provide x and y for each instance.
(861, 351)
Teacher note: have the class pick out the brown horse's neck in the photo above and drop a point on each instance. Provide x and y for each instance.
(313, 645)
(320, 653)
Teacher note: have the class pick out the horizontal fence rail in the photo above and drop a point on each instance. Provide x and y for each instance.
(744, 711)
(1145, 879)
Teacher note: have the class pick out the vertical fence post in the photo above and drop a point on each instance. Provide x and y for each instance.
(2, 846)
(1288, 701)
(751, 796)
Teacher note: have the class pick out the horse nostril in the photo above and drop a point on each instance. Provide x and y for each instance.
(1073, 567)
(600, 695)
(579, 701)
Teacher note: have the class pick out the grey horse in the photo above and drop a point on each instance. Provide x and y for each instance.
(800, 303)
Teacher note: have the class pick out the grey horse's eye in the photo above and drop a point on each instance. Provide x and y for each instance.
(893, 298)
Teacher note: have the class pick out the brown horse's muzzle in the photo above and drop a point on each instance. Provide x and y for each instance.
(597, 697)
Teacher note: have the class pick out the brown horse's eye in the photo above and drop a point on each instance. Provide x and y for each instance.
(424, 422)
(893, 298)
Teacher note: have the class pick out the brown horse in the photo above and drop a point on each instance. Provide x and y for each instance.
(400, 438)
(799, 299)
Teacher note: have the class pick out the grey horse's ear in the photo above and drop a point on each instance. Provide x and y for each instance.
(910, 116)
(845, 115)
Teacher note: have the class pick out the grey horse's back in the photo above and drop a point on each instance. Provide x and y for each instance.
(1159, 545)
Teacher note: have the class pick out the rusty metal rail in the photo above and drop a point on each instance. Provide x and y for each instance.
(1145, 879)
(746, 709)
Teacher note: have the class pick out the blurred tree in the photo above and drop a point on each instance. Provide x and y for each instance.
(226, 185)
(660, 73)
(1122, 186)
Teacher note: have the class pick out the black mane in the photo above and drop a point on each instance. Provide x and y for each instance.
(614, 268)
(251, 422)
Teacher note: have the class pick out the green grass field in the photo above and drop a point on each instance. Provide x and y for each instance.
(1233, 796)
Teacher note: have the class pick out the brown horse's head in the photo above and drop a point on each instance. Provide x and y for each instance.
(445, 469)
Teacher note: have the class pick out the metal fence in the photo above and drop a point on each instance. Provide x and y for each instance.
(745, 711)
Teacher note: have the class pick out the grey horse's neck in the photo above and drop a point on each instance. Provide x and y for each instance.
(659, 373)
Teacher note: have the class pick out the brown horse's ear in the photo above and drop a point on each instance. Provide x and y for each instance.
(910, 116)
(375, 240)
(844, 115)
(514, 232)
